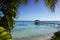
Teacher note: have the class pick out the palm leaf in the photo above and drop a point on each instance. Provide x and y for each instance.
(23, 2)
(51, 4)
(8, 7)
(4, 35)
(36, 1)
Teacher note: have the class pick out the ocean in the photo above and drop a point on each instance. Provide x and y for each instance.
(24, 29)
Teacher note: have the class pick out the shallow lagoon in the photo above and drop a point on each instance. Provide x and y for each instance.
(27, 29)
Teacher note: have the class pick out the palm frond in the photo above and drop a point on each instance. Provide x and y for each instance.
(9, 7)
(23, 1)
(4, 35)
(36, 1)
(51, 4)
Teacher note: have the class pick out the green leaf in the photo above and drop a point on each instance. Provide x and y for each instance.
(36, 1)
(51, 4)
(4, 35)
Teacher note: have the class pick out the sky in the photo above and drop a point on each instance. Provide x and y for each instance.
(39, 11)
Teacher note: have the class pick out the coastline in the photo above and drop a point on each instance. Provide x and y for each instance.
(46, 37)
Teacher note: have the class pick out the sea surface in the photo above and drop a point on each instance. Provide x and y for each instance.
(24, 29)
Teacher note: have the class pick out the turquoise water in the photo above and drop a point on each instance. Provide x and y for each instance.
(28, 29)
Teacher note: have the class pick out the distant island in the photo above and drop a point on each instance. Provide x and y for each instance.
(37, 22)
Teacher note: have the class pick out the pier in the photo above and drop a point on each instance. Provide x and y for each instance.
(50, 22)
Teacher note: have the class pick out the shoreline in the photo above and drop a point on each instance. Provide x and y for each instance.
(46, 37)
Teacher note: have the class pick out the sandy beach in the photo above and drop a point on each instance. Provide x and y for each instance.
(35, 38)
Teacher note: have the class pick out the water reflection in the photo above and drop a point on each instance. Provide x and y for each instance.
(23, 24)
(37, 26)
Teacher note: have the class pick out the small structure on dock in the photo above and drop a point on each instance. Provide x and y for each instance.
(37, 22)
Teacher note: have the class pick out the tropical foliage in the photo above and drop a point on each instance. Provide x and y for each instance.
(4, 35)
(51, 4)
(56, 36)
(9, 7)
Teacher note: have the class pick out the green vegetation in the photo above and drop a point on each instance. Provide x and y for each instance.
(4, 35)
(51, 4)
(9, 7)
(56, 36)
